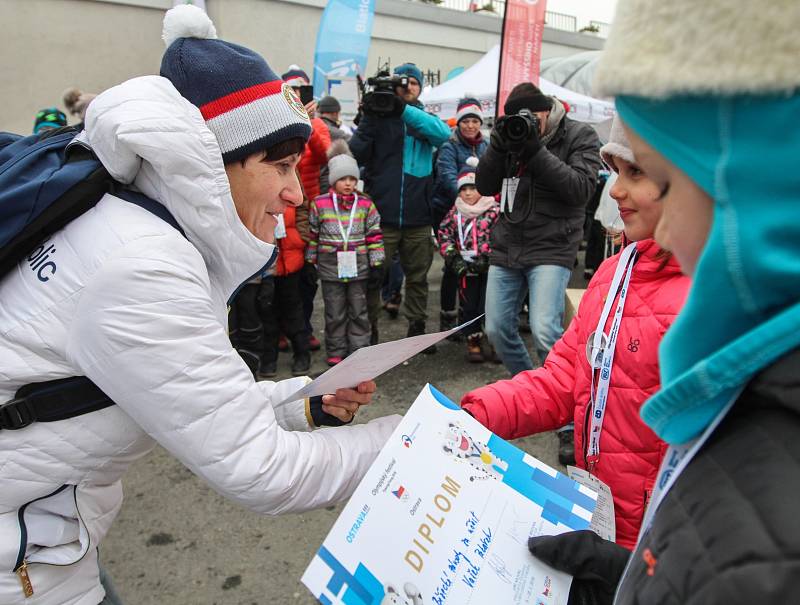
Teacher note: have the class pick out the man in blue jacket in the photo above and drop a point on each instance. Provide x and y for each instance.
(396, 152)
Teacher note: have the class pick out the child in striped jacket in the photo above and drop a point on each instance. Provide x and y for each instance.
(347, 247)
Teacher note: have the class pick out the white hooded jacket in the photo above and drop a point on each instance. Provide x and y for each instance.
(141, 310)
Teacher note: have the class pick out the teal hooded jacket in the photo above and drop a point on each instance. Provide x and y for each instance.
(743, 309)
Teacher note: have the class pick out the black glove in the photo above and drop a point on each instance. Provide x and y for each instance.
(481, 264)
(532, 145)
(375, 277)
(308, 274)
(321, 418)
(456, 263)
(595, 564)
(497, 142)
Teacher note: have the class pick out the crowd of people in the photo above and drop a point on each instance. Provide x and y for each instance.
(171, 297)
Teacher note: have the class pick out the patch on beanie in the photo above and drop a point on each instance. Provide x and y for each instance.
(294, 101)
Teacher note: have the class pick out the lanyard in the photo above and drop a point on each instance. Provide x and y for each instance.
(675, 461)
(463, 233)
(345, 236)
(602, 358)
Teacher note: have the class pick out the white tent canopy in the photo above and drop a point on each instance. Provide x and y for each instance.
(480, 81)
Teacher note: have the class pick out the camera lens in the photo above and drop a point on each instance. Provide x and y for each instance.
(517, 129)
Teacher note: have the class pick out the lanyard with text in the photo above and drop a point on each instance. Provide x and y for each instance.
(466, 253)
(602, 357)
(675, 461)
(345, 236)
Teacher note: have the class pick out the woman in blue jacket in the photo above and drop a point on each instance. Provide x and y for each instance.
(466, 142)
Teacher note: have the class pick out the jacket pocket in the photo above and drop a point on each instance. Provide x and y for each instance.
(52, 531)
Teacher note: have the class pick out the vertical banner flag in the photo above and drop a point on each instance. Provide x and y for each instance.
(342, 42)
(520, 46)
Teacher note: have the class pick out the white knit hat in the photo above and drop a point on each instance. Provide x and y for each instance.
(617, 146)
(341, 163)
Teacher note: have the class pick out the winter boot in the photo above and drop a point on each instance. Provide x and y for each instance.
(267, 369)
(392, 305)
(417, 328)
(474, 353)
(566, 447)
(313, 343)
(447, 321)
(283, 344)
(301, 364)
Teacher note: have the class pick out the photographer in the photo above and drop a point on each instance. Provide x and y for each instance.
(535, 245)
(394, 144)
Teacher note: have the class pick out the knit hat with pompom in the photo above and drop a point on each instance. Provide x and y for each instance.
(341, 162)
(244, 103)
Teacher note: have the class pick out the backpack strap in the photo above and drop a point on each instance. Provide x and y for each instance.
(69, 397)
(53, 400)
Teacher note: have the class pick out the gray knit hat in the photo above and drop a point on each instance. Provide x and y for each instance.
(341, 163)
(328, 104)
(617, 146)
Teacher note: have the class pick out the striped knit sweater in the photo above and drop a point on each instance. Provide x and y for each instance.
(326, 234)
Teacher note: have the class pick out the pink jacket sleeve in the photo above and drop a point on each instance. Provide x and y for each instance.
(535, 400)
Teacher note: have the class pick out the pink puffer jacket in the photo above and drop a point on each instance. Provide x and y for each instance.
(557, 393)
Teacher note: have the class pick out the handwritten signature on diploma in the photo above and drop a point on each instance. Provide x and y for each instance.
(460, 564)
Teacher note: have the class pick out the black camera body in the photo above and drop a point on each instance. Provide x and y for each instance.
(518, 128)
(380, 96)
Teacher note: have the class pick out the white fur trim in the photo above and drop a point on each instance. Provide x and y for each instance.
(248, 123)
(660, 48)
(617, 146)
(187, 21)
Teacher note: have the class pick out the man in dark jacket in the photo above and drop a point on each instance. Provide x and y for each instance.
(328, 110)
(396, 152)
(534, 245)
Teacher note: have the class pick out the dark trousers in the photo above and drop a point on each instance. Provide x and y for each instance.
(449, 292)
(244, 325)
(308, 290)
(347, 326)
(281, 308)
(472, 292)
(416, 255)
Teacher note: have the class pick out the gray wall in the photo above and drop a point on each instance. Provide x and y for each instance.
(50, 45)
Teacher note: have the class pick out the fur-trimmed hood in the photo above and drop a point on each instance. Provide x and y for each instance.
(659, 49)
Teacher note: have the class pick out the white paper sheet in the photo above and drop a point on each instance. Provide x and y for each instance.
(370, 362)
(443, 517)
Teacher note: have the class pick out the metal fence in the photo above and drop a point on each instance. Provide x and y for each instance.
(560, 21)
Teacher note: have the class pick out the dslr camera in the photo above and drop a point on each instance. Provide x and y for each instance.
(518, 128)
(379, 95)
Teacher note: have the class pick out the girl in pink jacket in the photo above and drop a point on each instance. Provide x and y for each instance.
(600, 379)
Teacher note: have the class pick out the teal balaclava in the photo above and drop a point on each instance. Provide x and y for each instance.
(743, 309)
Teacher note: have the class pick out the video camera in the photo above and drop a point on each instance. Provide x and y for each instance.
(517, 128)
(378, 95)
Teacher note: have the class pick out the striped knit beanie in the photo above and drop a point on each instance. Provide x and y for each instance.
(466, 177)
(247, 107)
(296, 77)
(469, 107)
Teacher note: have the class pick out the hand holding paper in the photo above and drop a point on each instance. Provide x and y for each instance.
(370, 362)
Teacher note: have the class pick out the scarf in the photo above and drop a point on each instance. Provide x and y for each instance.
(742, 312)
(470, 212)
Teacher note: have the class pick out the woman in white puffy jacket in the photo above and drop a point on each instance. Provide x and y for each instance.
(140, 309)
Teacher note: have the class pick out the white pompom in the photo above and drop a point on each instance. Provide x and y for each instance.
(472, 161)
(293, 67)
(187, 21)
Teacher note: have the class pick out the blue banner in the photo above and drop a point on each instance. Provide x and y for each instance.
(342, 42)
